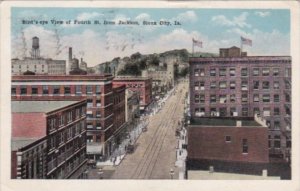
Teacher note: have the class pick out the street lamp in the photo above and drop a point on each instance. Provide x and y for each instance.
(100, 172)
(172, 173)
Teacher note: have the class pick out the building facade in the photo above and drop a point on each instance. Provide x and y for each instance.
(244, 86)
(143, 86)
(98, 91)
(48, 139)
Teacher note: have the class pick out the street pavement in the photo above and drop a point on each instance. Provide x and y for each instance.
(155, 152)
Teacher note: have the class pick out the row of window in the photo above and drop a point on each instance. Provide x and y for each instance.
(200, 85)
(244, 72)
(224, 98)
(66, 118)
(222, 111)
(56, 90)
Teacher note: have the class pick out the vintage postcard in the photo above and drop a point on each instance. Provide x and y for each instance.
(189, 94)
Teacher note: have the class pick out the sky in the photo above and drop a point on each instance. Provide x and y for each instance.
(269, 30)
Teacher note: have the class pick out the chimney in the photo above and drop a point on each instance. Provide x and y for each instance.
(70, 53)
(238, 123)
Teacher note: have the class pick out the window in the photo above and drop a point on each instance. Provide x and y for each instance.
(276, 98)
(287, 85)
(223, 85)
(213, 112)
(98, 90)
(197, 98)
(245, 146)
(196, 72)
(34, 90)
(89, 125)
(266, 98)
(244, 85)
(233, 111)
(245, 111)
(45, 90)
(202, 87)
(213, 99)
(13, 90)
(69, 116)
(244, 72)
(232, 98)
(255, 71)
(78, 90)
(67, 90)
(287, 98)
(223, 98)
(98, 113)
(197, 85)
(89, 89)
(266, 71)
(212, 85)
(255, 97)
(255, 85)
(266, 85)
(227, 138)
(232, 85)
(232, 72)
(287, 72)
(275, 71)
(266, 112)
(276, 111)
(98, 102)
(256, 111)
(89, 102)
(56, 90)
(98, 125)
(202, 98)
(277, 142)
(222, 72)
(276, 125)
(244, 98)
(223, 111)
(212, 72)
(23, 90)
(202, 72)
(61, 120)
(276, 85)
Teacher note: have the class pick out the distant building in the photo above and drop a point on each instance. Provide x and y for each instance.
(231, 145)
(143, 86)
(48, 139)
(162, 78)
(74, 68)
(98, 91)
(132, 106)
(37, 64)
(236, 85)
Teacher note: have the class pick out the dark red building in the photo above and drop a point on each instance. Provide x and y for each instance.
(96, 89)
(237, 85)
(141, 85)
(48, 139)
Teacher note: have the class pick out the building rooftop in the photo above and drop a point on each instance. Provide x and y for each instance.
(247, 59)
(131, 78)
(79, 78)
(226, 122)
(38, 106)
(17, 143)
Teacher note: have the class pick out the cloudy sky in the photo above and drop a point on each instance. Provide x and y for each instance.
(268, 29)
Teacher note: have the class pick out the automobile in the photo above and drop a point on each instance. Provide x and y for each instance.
(144, 129)
(130, 148)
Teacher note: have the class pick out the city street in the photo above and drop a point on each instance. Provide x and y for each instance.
(155, 153)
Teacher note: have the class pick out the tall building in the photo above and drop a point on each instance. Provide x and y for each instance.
(141, 85)
(236, 85)
(36, 64)
(98, 91)
(48, 139)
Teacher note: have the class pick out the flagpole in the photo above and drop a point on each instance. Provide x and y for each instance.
(193, 49)
(241, 47)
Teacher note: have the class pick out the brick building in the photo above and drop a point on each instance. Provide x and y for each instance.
(141, 85)
(48, 139)
(98, 91)
(242, 86)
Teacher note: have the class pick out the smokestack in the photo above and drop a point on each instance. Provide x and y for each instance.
(70, 53)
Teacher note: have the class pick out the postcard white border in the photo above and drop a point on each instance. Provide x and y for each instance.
(5, 68)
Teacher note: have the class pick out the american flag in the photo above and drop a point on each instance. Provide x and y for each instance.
(246, 41)
(197, 43)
